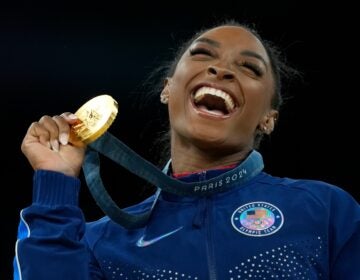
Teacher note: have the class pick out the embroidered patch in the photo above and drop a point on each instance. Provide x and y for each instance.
(257, 219)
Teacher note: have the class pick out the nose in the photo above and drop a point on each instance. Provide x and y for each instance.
(221, 73)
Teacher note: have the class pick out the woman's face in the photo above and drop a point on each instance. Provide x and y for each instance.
(221, 91)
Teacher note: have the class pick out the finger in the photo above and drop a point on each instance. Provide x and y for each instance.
(42, 135)
(70, 118)
(49, 124)
(63, 129)
(73, 120)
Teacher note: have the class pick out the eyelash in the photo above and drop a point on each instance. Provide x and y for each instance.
(203, 51)
(253, 67)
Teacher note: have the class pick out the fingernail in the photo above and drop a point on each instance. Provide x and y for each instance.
(64, 138)
(55, 145)
(72, 116)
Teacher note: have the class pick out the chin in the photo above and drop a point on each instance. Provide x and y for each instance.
(217, 148)
(208, 141)
(207, 138)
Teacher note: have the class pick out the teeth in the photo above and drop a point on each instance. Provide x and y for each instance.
(201, 92)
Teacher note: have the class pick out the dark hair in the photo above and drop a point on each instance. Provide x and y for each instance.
(280, 70)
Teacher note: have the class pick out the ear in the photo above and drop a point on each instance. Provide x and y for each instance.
(268, 122)
(165, 93)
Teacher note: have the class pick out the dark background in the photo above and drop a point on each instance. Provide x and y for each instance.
(54, 58)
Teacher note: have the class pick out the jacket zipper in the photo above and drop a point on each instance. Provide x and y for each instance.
(204, 217)
(209, 241)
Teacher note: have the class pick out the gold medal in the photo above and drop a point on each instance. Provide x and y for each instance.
(96, 116)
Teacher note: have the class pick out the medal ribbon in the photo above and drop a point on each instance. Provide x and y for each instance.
(114, 149)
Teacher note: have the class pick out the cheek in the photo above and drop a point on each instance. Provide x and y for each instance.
(181, 73)
(259, 95)
(173, 109)
(178, 90)
(176, 108)
(186, 71)
(257, 104)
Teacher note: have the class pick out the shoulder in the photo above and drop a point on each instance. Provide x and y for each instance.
(319, 190)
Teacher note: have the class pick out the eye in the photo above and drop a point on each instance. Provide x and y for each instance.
(200, 51)
(252, 67)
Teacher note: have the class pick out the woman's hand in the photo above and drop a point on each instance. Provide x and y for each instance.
(50, 144)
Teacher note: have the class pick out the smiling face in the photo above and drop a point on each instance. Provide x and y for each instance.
(221, 91)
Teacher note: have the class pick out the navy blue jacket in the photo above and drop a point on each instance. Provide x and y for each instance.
(266, 228)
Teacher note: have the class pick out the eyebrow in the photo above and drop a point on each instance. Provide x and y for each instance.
(209, 41)
(245, 53)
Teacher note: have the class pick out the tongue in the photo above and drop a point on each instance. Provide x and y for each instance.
(212, 112)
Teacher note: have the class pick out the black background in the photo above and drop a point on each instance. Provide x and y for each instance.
(54, 58)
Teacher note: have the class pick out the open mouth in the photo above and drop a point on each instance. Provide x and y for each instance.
(214, 101)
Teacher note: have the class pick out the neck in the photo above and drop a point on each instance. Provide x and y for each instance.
(191, 158)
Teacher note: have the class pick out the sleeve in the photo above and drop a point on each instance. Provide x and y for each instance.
(49, 244)
(345, 237)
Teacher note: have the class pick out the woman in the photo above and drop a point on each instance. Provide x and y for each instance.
(223, 95)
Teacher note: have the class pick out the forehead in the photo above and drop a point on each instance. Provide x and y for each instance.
(237, 38)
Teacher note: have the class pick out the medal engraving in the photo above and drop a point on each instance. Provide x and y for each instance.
(95, 117)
